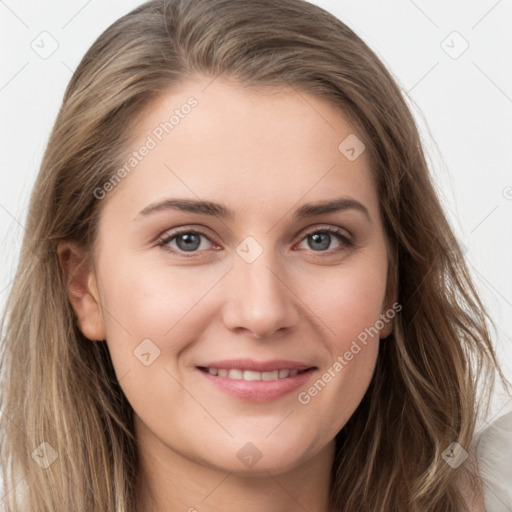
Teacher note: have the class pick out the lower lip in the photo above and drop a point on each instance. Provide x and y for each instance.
(258, 390)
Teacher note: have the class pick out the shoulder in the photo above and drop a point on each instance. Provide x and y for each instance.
(494, 458)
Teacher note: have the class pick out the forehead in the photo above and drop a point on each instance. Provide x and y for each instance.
(218, 139)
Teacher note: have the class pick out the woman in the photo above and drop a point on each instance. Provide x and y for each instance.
(238, 285)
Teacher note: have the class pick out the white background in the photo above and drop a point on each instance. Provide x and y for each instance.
(463, 106)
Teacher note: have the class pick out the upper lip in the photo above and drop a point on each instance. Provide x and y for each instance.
(257, 366)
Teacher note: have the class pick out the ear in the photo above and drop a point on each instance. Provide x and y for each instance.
(82, 289)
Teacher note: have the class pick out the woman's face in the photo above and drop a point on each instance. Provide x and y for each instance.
(254, 287)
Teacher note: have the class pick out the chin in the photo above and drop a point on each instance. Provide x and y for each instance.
(260, 456)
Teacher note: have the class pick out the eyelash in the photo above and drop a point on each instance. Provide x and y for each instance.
(346, 242)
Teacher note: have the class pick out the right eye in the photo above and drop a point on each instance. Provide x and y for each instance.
(185, 240)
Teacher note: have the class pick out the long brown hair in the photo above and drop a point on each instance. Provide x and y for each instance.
(67, 439)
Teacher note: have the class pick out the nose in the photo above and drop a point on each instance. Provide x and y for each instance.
(259, 298)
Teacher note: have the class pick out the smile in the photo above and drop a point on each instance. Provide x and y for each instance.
(256, 381)
(252, 375)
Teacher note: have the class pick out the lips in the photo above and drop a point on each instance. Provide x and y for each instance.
(254, 380)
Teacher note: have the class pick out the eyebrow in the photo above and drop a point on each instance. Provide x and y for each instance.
(219, 210)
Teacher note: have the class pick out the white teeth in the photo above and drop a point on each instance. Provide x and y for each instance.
(235, 374)
(251, 375)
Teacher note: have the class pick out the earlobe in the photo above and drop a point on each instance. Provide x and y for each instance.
(82, 290)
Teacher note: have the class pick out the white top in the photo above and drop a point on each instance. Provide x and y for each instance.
(494, 455)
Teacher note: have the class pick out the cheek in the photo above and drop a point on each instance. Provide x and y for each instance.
(152, 300)
(169, 306)
(347, 299)
(349, 303)
(149, 310)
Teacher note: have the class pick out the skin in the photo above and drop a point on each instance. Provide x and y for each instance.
(263, 153)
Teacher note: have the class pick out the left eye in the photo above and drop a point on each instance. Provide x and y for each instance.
(319, 240)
